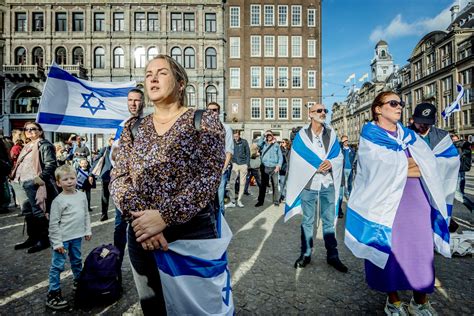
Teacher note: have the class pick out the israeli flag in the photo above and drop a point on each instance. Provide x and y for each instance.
(378, 188)
(195, 276)
(456, 105)
(70, 104)
(304, 162)
(82, 177)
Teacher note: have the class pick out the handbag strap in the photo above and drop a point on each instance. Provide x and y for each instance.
(266, 150)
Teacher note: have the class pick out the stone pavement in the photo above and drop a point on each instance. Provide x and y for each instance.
(261, 257)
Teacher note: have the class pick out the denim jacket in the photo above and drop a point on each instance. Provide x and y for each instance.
(273, 157)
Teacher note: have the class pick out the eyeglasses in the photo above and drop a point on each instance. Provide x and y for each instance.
(395, 103)
(321, 110)
(269, 135)
(214, 110)
(31, 129)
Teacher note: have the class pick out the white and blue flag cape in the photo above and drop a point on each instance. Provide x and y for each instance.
(70, 104)
(378, 188)
(447, 157)
(195, 276)
(304, 162)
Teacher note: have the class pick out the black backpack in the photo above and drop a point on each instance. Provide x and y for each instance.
(99, 282)
(464, 149)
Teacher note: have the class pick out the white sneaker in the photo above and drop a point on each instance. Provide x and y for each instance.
(239, 204)
(421, 309)
(230, 204)
(394, 310)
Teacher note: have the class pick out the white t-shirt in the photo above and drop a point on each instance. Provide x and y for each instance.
(320, 179)
(69, 218)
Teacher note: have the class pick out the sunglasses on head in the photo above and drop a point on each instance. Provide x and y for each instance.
(395, 103)
(31, 129)
(321, 110)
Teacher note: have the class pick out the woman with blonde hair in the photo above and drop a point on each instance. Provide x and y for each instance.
(167, 172)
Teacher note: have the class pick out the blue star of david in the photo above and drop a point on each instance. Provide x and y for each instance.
(227, 289)
(87, 105)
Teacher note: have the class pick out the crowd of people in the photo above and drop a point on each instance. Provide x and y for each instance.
(169, 174)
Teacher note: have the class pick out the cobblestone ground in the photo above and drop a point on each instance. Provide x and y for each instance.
(261, 257)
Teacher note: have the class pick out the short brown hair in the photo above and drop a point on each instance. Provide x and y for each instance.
(379, 101)
(64, 169)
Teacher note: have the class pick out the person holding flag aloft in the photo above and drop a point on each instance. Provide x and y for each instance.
(397, 211)
(315, 171)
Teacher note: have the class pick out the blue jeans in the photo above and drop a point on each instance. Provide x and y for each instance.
(347, 182)
(120, 233)
(73, 249)
(221, 190)
(309, 199)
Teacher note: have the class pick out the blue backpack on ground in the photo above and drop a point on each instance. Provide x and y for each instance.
(99, 282)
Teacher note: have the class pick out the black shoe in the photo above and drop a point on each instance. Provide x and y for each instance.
(340, 215)
(302, 261)
(27, 244)
(247, 193)
(56, 301)
(258, 204)
(276, 204)
(40, 245)
(104, 218)
(337, 264)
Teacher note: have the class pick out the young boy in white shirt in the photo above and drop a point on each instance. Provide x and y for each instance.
(69, 221)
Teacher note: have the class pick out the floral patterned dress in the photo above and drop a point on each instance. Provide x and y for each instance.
(177, 173)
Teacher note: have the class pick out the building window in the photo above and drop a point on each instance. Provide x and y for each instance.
(296, 77)
(211, 24)
(38, 21)
(99, 57)
(78, 22)
(152, 52)
(20, 22)
(189, 22)
(234, 43)
(268, 15)
(38, 56)
(282, 15)
(255, 46)
(312, 48)
(61, 22)
(269, 77)
(234, 78)
(176, 22)
(255, 15)
(283, 77)
(466, 76)
(311, 79)
(140, 22)
(211, 94)
(234, 17)
(61, 56)
(119, 22)
(153, 22)
(26, 100)
(282, 46)
(269, 104)
(255, 77)
(119, 57)
(255, 108)
(211, 58)
(189, 58)
(20, 56)
(191, 96)
(296, 46)
(283, 109)
(269, 46)
(295, 15)
(99, 22)
(176, 55)
(140, 57)
(446, 55)
(78, 56)
(312, 17)
(447, 84)
(296, 106)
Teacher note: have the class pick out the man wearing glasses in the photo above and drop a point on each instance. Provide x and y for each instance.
(319, 143)
(229, 151)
